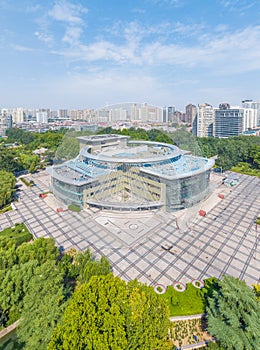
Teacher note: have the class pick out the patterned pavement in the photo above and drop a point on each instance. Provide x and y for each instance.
(151, 246)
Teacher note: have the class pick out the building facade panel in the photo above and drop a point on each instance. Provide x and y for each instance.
(115, 173)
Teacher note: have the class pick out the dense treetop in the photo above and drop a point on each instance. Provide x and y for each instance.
(233, 315)
(35, 283)
(108, 314)
(7, 187)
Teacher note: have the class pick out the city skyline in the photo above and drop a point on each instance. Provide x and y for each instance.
(87, 54)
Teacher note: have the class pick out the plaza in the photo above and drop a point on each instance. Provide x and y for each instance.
(154, 246)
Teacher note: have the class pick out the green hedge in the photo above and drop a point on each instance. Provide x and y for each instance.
(27, 183)
(74, 207)
(5, 209)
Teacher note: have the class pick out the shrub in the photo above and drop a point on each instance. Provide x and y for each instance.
(27, 183)
(74, 207)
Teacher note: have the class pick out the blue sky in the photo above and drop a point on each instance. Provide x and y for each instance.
(89, 53)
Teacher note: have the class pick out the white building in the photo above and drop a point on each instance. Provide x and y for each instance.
(19, 116)
(42, 117)
(139, 112)
(255, 105)
(5, 122)
(251, 116)
(205, 120)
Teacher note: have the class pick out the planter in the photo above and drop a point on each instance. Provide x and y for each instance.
(180, 287)
(198, 284)
(159, 289)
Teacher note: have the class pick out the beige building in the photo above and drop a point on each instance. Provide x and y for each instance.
(205, 120)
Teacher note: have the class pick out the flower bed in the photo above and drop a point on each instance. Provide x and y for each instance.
(180, 287)
(159, 289)
(198, 284)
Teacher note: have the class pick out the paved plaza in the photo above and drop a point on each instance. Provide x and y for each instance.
(153, 246)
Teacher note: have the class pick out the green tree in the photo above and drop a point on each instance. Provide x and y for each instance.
(7, 188)
(42, 250)
(21, 136)
(108, 314)
(214, 346)
(29, 161)
(233, 315)
(147, 318)
(86, 266)
(69, 148)
(13, 288)
(9, 159)
(43, 307)
(94, 318)
(256, 289)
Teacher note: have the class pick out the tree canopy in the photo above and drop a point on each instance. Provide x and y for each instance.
(233, 315)
(107, 313)
(43, 306)
(232, 151)
(18, 266)
(7, 188)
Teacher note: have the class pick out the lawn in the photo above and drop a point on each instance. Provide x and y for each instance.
(19, 233)
(189, 302)
(245, 168)
(5, 209)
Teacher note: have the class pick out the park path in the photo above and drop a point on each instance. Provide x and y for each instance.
(185, 318)
(8, 329)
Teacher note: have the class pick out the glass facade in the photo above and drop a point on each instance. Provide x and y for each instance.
(143, 176)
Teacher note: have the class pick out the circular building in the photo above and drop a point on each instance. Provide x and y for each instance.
(112, 172)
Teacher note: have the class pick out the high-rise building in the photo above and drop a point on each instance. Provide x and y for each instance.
(140, 112)
(205, 120)
(190, 113)
(62, 113)
(19, 115)
(5, 122)
(177, 117)
(251, 116)
(168, 113)
(42, 117)
(255, 105)
(229, 121)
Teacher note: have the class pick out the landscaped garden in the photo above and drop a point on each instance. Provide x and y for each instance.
(18, 233)
(187, 302)
(189, 332)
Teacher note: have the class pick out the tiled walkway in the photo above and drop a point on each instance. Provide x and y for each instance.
(150, 246)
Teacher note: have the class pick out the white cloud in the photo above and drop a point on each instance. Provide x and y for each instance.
(110, 86)
(22, 48)
(234, 52)
(239, 6)
(72, 35)
(45, 37)
(175, 3)
(67, 12)
(138, 10)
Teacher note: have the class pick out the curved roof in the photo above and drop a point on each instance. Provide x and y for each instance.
(152, 158)
(146, 151)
